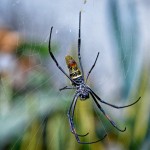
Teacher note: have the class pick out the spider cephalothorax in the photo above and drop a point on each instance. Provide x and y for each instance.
(83, 91)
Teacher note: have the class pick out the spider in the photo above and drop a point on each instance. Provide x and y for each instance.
(83, 91)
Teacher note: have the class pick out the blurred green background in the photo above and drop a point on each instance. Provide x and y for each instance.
(33, 112)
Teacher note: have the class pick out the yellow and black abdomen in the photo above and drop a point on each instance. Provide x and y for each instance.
(74, 71)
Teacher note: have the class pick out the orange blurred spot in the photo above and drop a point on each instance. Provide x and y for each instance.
(70, 62)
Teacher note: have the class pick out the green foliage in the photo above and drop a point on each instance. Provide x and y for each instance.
(34, 47)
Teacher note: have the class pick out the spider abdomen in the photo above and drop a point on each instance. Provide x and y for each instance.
(74, 71)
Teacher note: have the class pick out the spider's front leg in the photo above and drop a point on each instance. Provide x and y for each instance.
(71, 115)
(114, 106)
(110, 120)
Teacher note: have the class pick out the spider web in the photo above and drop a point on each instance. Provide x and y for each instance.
(36, 100)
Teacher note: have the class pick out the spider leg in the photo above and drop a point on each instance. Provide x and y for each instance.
(92, 67)
(54, 59)
(114, 106)
(72, 124)
(66, 87)
(70, 117)
(79, 45)
(90, 142)
(110, 120)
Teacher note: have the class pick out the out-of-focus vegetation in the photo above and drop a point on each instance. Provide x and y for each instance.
(33, 113)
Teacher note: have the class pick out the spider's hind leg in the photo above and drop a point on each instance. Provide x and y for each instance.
(92, 67)
(66, 87)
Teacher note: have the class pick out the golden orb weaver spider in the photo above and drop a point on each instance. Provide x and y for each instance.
(83, 91)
